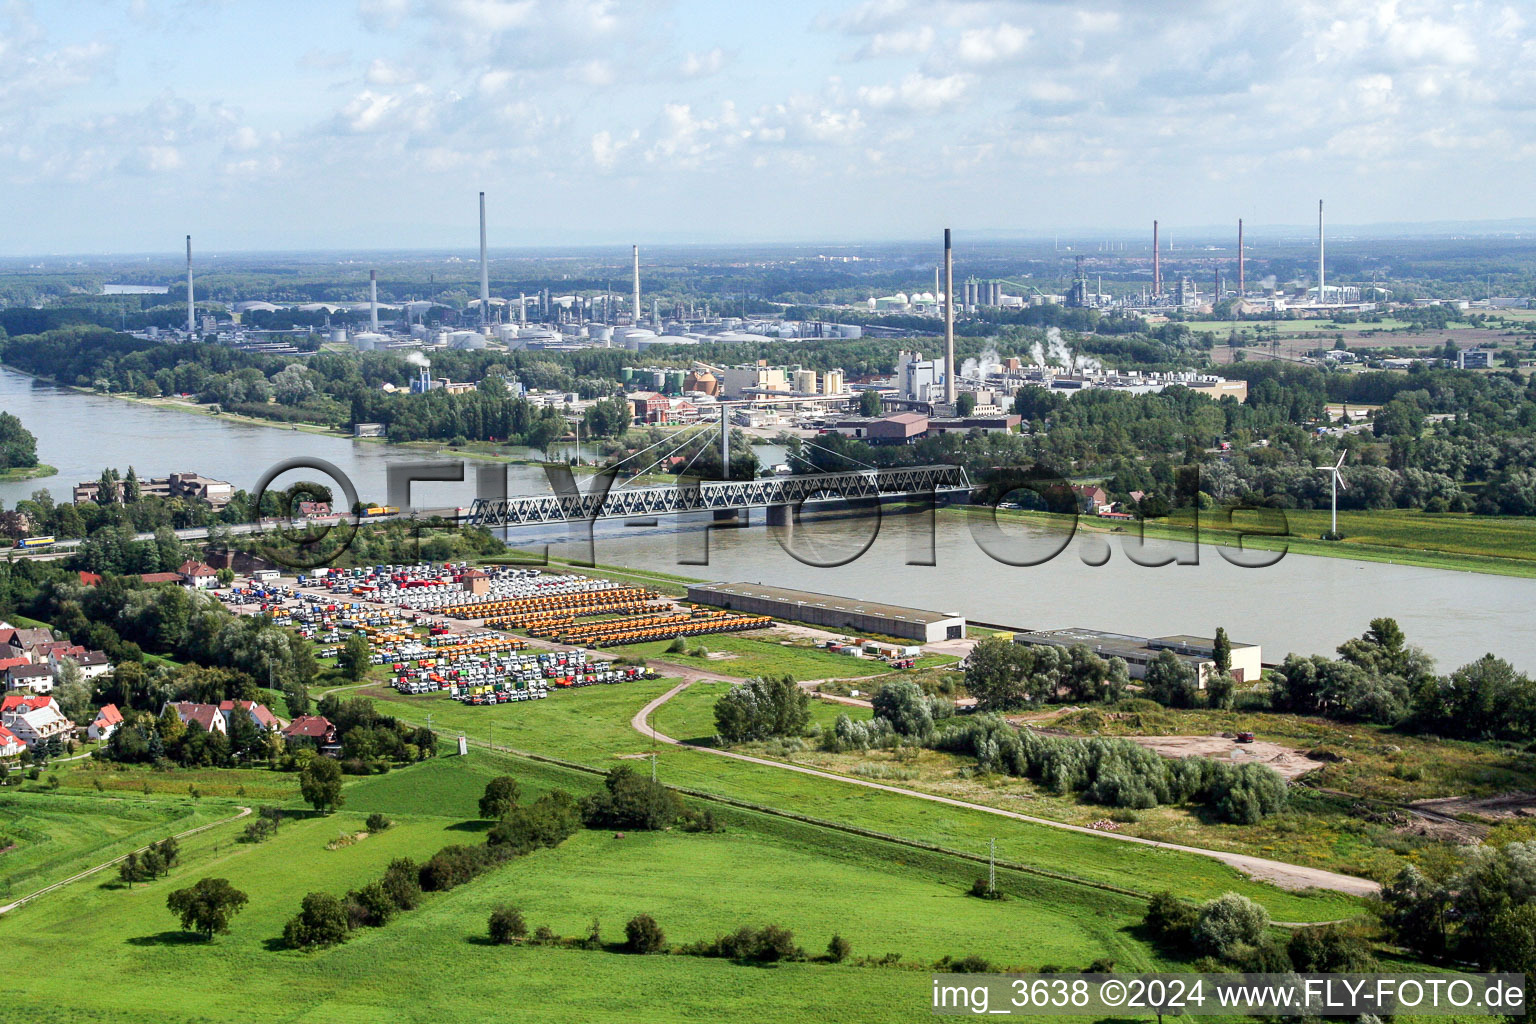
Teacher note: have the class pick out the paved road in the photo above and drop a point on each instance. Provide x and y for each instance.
(88, 872)
(1287, 876)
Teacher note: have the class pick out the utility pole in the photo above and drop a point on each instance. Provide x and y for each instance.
(653, 766)
(992, 867)
(725, 442)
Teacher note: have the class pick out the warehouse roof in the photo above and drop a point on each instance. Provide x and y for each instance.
(846, 605)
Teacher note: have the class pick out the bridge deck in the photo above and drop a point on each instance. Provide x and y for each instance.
(693, 496)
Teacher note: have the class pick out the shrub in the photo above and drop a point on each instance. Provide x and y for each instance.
(630, 801)
(375, 903)
(972, 964)
(402, 881)
(259, 831)
(1171, 920)
(1228, 923)
(678, 646)
(506, 924)
(377, 822)
(982, 889)
(321, 921)
(544, 935)
(548, 821)
(499, 798)
(903, 704)
(643, 935)
(761, 708)
(452, 866)
(838, 949)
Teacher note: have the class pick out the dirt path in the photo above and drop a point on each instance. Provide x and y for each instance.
(88, 872)
(1286, 876)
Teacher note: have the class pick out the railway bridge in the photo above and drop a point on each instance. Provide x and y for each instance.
(725, 498)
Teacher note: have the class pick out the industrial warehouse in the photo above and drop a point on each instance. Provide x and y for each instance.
(1199, 653)
(831, 612)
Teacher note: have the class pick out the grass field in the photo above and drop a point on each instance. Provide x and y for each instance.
(591, 726)
(433, 965)
(55, 835)
(1502, 545)
(766, 653)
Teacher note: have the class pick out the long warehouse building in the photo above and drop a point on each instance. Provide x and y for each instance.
(829, 612)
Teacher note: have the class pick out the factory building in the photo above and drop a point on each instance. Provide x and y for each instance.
(829, 612)
(1138, 652)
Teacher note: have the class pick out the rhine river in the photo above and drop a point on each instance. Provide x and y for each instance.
(1303, 604)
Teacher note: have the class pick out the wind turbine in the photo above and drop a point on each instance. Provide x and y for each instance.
(1338, 485)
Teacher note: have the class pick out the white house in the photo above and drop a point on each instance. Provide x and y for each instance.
(35, 719)
(106, 723)
(10, 744)
(207, 717)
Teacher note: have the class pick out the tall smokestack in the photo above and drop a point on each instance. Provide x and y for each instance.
(636, 253)
(485, 271)
(191, 306)
(522, 307)
(949, 322)
(1320, 278)
(373, 301)
(1157, 263)
(1241, 280)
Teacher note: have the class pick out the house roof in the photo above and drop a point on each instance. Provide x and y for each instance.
(203, 714)
(160, 577)
(10, 663)
(192, 567)
(260, 712)
(8, 738)
(90, 658)
(27, 639)
(109, 715)
(20, 704)
(315, 726)
(29, 672)
(474, 574)
(89, 579)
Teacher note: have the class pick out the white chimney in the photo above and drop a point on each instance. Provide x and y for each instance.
(949, 322)
(373, 301)
(191, 306)
(1320, 278)
(485, 270)
(637, 285)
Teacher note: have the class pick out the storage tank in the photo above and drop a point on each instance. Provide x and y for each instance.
(338, 337)
(850, 331)
(367, 341)
(626, 374)
(675, 382)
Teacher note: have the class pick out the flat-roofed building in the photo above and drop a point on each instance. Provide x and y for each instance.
(1198, 652)
(830, 612)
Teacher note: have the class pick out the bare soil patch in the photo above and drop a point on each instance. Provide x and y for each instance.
(1288, 761)
(1496, 808)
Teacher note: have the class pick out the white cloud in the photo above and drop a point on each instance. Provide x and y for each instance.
(383, 73)
(916, 92)
(702, 65)
(994, 43)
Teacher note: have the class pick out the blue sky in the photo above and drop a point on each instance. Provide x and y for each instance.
(371, 124)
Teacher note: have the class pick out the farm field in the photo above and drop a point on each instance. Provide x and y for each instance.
(1502, 545)
(432, 964)
(591, 726)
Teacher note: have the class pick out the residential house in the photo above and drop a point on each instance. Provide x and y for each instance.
(35, 719)
(206, 717)
(198, 575)
(1090, 497)
(260, 716)
(22, 641)
(36, 678)
(314, 731)
(106, 723)
(10, 744)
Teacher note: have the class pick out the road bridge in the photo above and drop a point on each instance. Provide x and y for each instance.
(725, 496)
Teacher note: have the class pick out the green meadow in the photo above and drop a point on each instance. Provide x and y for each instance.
(591, 726)
(115, 954)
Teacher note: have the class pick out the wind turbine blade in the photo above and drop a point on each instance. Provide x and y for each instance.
(1341, 460)
(1340, 478)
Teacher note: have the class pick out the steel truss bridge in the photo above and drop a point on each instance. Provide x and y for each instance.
(717, 496)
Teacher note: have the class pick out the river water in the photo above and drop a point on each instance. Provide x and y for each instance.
(1304, 604)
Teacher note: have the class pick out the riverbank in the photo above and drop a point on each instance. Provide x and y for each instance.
(18, 473)
(1459, 542)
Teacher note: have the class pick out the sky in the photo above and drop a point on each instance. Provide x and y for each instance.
(371, 124)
